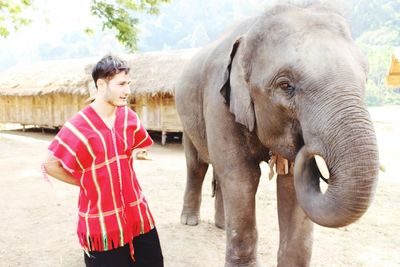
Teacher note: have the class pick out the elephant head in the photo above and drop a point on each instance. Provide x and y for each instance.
(297, 80)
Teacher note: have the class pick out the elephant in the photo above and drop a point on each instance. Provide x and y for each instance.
(288, 82)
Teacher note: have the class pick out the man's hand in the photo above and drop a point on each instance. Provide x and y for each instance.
(54, 168)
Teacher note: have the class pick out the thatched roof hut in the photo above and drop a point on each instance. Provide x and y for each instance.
(44, 93)
(47, 77)
(153, 84)
(49, 92)
(392, 79)
(155, 73)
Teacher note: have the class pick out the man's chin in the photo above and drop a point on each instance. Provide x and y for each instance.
(122, 103)
(117, 103)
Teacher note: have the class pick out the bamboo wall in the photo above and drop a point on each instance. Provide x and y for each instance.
(157, 113)
(51, 110)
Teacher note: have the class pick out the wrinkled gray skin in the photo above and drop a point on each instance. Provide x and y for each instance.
(290, 81)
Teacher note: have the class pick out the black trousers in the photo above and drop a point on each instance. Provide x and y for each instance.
(147, 254)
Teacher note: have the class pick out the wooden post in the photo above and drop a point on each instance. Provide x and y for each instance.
(163, 137)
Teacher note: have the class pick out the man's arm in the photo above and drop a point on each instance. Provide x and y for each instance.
(54, 168)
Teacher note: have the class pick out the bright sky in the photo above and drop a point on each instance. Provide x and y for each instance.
(52, 20)
(55, 21)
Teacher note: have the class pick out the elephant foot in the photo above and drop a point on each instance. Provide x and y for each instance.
(247, 264)
(220, 225)
(219, 221)
(190, 218)
(219, 216)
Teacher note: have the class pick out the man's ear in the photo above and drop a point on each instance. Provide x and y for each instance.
(236, 91)
(101, 84)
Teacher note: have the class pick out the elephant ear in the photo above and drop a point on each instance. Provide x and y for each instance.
(236, 92)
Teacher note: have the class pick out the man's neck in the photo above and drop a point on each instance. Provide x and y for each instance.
(104, 109)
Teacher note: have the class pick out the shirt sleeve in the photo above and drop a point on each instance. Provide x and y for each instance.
(65, 147)
(141, 137)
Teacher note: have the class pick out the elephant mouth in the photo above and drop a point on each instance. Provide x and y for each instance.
(316, 161)
(290, 152)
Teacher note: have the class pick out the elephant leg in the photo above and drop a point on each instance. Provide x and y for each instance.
(239, 188)
(295, 228)
(196, 171)
(219, 203)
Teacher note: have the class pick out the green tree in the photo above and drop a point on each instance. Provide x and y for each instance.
(375, 24)
(11, 17)
(118, 15)
(379, 56)
(371, 15)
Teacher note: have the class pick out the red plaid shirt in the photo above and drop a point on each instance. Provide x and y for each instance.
(112, 208)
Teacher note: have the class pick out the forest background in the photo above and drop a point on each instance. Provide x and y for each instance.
(37, 30)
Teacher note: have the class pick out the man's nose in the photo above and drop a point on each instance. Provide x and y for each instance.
(127, 90)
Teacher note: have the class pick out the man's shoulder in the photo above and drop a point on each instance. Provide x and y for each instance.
(77, 120)
(131, 113)
(127, 109)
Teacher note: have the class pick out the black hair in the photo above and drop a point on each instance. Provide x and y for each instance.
(107, 67)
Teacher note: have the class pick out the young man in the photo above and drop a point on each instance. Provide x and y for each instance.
(94, 150)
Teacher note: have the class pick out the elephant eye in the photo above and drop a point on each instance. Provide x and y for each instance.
(287, 87)
(284, 85)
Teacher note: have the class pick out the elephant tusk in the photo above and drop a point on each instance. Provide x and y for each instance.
(323, 169)
(382, 167)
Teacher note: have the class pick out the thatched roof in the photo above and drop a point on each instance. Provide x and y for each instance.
(156, 72)
(45, 77)
(152, 73)
(393, 77)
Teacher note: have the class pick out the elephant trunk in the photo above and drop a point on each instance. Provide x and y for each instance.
(345, 138)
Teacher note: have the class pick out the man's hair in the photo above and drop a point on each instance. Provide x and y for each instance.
(107, 67)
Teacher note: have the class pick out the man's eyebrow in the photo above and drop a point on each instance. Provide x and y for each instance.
(123, 82)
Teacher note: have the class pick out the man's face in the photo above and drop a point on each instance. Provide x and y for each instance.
(117, 89)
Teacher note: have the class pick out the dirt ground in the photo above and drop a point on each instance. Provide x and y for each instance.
(37, 226)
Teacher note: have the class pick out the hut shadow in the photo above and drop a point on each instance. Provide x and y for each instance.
(171, 137)
(47, 134)
(38, 133)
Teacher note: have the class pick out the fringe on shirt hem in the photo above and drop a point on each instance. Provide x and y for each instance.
(96, 242)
